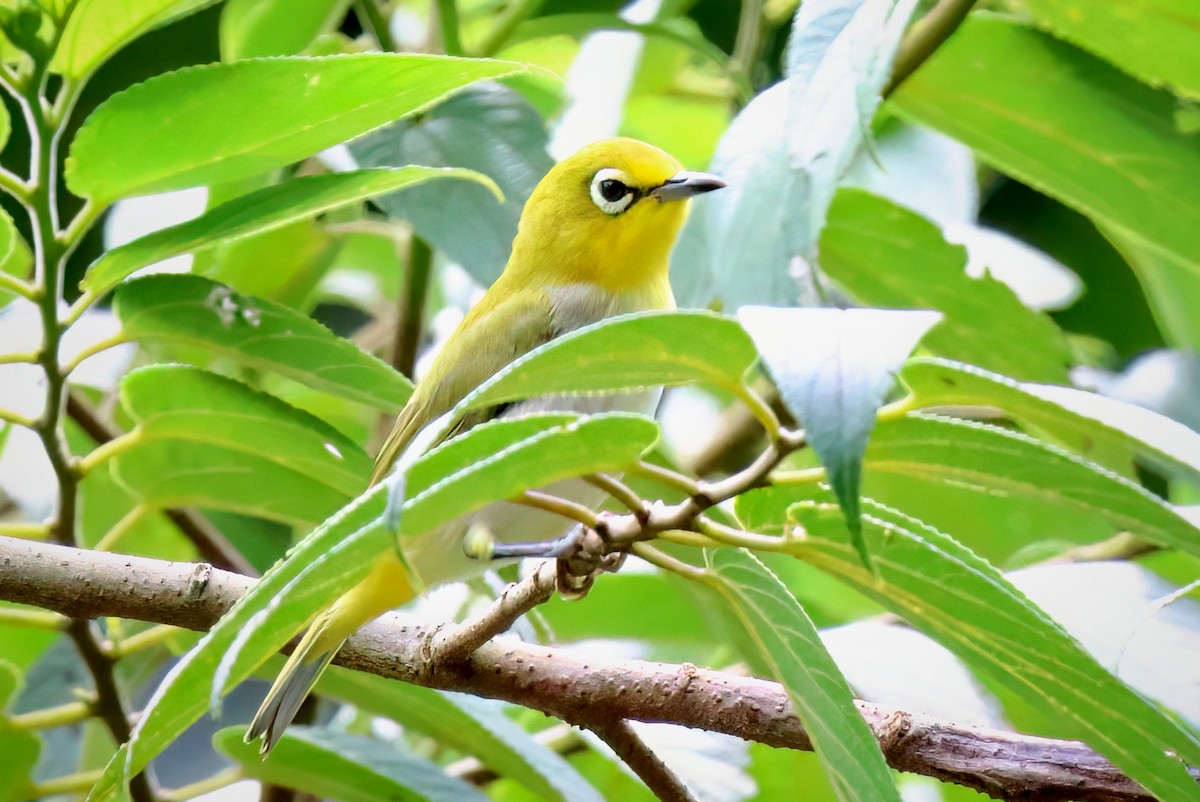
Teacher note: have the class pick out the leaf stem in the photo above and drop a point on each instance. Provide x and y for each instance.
(118, 445)
(81, 223)
(60, 716)
(760, 409)
(369, 12)
(22, 357)
(666, 562)
(517, 12)
(22, 288)
(81, 305)
(806, 476)
(32, 619)
(559, 506)
(667, 477)
(619, 491)
(24, 530)
(98, 347)
(448, 19)
(121, 528)
(740, 538)
(11, 183)
(8, 416)
(146, 639)
(215, 782)
(69, 784)
(411, 305)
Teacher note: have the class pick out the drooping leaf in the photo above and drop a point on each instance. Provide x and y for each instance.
(466, 724)
(789, 646)
(199, 438)
(965, 604)
(833, 368)
(348, 767)
(1090, 424)
(267, 209)
(1114, 152)
(198, 313)
(323, 566)
(884, 255)
(1170, 283)
(975, 459)
(173, 130)
(257, 28)
(490, 129)
(99, 28)
(20, 748)
(631, 352)
(1156, 41)
(784, 153)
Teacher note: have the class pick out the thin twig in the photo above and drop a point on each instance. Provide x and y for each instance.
(368, 12)
(629, 746)
(459, 643)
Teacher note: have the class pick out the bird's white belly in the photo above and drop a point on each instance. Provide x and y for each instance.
(438, 557)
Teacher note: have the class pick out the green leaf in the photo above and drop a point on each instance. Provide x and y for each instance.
(256, 28)
(173, 130)
(965, 604)
(199, 436)
(1113, 152)
(784, 154)
(833, 368)
(1171, 285)
(15, 257)
(542, 449)
(195, 312)
(977, 459)
(491, 129)
(99, 28)
(885, 255)
(20, 748)
(630, 352)
(347, 767)
(269, 208)
(466, 724)
(1155, 41)
(322, 567)
(1092, 425)
(789, 646)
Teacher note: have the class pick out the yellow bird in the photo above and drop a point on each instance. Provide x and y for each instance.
(593, 241)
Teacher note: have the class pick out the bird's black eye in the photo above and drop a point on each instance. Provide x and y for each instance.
(613, 190)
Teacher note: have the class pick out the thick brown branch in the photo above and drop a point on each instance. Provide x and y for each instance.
(1007, 765)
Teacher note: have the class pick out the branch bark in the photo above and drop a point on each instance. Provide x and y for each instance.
(1006, 765)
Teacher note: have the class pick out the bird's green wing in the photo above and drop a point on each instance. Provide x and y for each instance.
(491, 336)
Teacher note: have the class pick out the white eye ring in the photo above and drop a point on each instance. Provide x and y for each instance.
(603, 184)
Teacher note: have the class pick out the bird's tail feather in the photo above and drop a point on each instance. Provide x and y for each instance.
(297, 678)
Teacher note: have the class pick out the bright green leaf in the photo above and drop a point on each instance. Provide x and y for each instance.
(15, 257)
(490, 129)
(347, 767)
(978, 459)
(483, 474)
(885, 255)
(1171, 285)
(1090, 424)
(965, 604)
(318, 570)
(1156, 41)
(269, 208)
(467, 724)
(1113, 152)
(20, 748)
(196, 312)
(199, 436)
(99, 28)
(256, 28)
(788, 644)
(833, 368)
(174, 131)
(631, 352)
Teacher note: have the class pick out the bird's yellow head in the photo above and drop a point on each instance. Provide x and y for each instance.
(608, 215)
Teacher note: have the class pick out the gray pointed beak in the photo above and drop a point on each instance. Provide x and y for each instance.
(685, 185)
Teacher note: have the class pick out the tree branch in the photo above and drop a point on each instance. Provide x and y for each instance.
(82, 583)
(630, 747)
